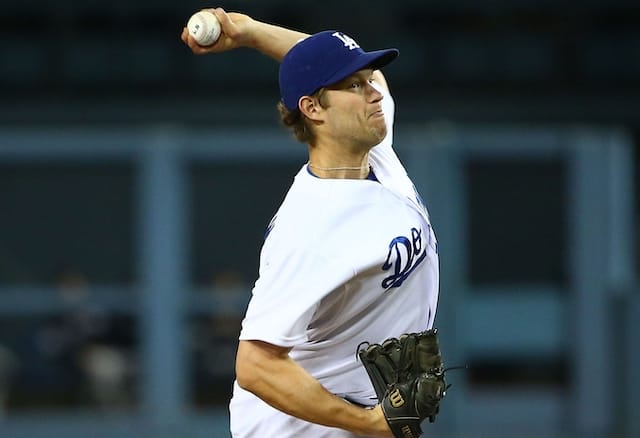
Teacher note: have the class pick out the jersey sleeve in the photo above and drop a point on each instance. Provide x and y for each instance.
(290, 286)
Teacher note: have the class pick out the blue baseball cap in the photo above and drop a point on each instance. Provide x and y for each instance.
(323, 59)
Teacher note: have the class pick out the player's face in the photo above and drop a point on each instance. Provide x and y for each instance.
(354, 111)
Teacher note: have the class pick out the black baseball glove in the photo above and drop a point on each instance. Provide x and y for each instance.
(407, 374)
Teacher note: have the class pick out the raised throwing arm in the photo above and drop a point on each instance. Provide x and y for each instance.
(240, 30)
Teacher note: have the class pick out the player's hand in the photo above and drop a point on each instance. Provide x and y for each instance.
(235, 32)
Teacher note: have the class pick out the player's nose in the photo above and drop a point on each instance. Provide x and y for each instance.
(374, 94)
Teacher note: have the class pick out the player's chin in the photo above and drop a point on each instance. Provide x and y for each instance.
(378, 132)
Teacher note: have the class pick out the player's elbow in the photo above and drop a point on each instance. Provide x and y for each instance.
(246, 375)
(248, 365)
(256, 361)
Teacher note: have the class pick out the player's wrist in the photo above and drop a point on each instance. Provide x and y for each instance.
(379, 425)
(247, 30)
(255, 34)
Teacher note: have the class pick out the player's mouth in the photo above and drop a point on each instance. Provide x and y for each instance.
(375, 114)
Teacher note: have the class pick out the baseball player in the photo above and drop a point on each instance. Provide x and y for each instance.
(350, 255)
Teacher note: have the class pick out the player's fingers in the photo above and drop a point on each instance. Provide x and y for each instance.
(198, 49)
(188, 40)
(223, 18)
(184, 36)
(229, 28)
(224, 42)
(193, 45)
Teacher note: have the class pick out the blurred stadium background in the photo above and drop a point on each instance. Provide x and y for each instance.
(136, 180)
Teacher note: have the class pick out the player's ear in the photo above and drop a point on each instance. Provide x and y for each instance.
(309, 107)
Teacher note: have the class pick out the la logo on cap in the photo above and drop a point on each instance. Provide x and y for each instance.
(349, 42)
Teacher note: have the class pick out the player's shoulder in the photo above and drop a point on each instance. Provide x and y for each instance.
(315, 206)
(300, 208)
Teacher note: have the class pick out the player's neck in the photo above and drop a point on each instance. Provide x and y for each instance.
(345, 172)
(336, 163)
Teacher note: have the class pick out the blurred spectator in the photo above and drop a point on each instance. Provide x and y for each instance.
(83, 344)
(213, 339)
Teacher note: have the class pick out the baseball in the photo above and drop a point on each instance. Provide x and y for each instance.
(204, 27)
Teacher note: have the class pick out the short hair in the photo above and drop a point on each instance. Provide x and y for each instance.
(299, 125)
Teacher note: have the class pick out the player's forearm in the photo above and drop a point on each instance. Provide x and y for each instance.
(282, 383)
(272, 40)
(275, 41)
(293, 391)
(240, 30)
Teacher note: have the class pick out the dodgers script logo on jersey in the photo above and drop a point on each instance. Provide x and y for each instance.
(404, 256)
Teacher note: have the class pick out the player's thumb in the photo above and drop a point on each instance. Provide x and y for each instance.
(240, 29)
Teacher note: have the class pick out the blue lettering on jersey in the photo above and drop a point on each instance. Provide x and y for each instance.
(405, 254)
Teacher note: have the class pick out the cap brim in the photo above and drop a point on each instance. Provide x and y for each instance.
(375, 59)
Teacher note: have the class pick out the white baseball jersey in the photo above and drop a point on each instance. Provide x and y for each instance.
(344, 261)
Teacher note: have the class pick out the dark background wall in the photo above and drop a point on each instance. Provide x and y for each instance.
(533, 60)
